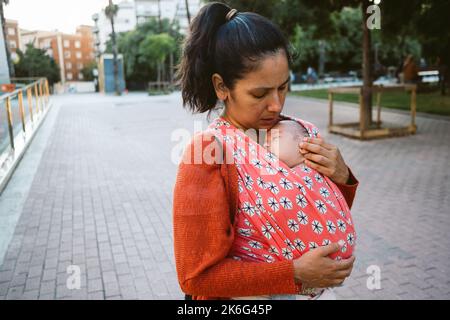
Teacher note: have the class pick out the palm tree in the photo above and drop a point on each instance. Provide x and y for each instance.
(188, 14)
(111, 11)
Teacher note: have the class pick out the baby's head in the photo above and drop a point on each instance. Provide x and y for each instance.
(283, 140)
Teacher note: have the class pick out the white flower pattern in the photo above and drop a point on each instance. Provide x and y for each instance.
(269, 223)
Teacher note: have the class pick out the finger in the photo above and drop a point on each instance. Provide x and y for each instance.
(319, 168)
(338, 282)
(318, 159)
(320, 142)
(345, 264)
(331, 248)
(342, 274)
(315, 148)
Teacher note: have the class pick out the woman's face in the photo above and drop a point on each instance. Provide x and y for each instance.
(257, 100)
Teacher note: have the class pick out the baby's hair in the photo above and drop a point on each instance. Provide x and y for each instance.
(296, 129)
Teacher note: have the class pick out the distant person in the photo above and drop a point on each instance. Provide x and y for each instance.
(443, 75)
(410, 70)
(423, 63)
(291, 81)
(399, 70)
(311, 75)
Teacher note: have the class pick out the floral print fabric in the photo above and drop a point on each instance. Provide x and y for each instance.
(282, 212)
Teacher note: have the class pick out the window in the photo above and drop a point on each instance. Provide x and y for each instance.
(80, 76)
(68, 65)
(69, 76)
(11, 31)
(12, 44)
(77, 44)
(79, 66)
(46, 44)
(67, 54)
(66, 43)
(78, 55)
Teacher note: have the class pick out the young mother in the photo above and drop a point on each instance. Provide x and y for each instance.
(243, 60)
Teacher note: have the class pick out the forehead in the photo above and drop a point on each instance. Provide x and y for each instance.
(287, 126)
(279, 129)
(272, 71)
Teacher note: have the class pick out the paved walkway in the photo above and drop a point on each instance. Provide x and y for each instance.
(95, 189)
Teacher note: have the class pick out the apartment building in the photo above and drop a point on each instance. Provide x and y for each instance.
(12, 37)
(72, 52)
(132, 13)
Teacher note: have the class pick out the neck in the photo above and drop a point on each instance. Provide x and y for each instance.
(231, 120)
(259, 138)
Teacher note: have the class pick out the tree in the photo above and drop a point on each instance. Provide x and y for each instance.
(154, 50)
(288, 13)
(306, 49)
(87, 71)
(137, 69)
(423, 21)
(35, 62)
(188, 13)
(340, 48)
(111, 11)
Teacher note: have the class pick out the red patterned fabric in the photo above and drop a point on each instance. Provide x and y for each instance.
(282, 212)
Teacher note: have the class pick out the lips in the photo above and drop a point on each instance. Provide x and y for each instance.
(269, 119)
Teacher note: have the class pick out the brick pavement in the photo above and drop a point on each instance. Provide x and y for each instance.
(101, 200)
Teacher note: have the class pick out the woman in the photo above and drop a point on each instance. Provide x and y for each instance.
(241, 59)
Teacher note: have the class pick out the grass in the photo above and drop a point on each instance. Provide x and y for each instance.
(155, 92)
(433, 103)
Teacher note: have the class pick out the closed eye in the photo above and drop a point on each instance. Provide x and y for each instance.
(259, 97)
(281, 88)
(262, 96)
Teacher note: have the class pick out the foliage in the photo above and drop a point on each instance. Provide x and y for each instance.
(138, 68)
(34, 62)
(87, 71)
(155, 48)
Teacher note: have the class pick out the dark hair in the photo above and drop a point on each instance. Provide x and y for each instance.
(229, 48)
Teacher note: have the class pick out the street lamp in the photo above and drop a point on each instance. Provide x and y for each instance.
(95, 17)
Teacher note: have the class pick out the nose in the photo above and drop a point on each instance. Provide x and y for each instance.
(275, 104)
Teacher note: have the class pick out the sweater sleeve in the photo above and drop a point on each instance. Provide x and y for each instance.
(349, 189)
(203, 236)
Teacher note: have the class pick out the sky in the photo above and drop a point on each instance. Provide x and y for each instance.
(48, 15)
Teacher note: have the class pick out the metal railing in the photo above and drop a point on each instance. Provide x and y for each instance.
(21, 113)
(24, 114)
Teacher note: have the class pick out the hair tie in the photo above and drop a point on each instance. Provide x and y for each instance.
(231, 14)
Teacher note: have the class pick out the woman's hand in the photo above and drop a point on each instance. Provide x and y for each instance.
(325, 158)
(315, 269)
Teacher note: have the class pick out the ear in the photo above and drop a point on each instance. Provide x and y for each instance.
(220, 87)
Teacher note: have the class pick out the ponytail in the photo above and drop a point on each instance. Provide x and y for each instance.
(229, 48)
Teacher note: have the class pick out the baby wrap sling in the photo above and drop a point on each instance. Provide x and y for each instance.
(282, 212)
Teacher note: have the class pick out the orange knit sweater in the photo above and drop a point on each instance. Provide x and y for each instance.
(205, 201)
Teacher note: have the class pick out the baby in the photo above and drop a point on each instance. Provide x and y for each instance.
(282, 140)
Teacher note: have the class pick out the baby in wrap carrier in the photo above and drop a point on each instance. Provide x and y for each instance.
(282, 140)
